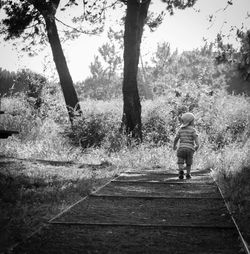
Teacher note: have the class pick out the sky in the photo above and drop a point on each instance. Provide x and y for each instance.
(185, 30)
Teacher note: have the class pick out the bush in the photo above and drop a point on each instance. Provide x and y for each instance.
(90, 131)
(157, 123)
(224, 118)
(99, 121)
(19, 115)
(231, 167)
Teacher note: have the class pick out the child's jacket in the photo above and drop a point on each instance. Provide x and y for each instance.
(186, 137)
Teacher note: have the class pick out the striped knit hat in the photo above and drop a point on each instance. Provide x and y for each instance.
(186, 119)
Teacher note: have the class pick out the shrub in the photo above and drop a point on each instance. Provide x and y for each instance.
(19, 115)
(89, 131)
(99, 121)
(225, 119)
(29, 82)
(115, 141)
(231, 167)
(156, 125)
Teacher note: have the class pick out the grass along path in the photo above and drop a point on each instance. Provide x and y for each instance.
(34, 191)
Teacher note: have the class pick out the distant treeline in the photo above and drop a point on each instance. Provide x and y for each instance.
(168, 72)
(24, 80)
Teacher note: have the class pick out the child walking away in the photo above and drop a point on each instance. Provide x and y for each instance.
(188, 144)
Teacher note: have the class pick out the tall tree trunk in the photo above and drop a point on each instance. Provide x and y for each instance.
(69, 93)
(135, 19)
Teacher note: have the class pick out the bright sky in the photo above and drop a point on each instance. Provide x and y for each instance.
(184, 30)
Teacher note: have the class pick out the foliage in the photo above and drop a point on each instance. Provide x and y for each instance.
(97, 122)
(105, 80)
(6, 81)
(239, 58)
(23, 81)
(32, 82)
(23, 21)
(174, 70)
(157, 122)
(89, 131)
(168, 73)
(244, 61)
(172, 5)
(221, 118)
(231, 169)
(31, 85)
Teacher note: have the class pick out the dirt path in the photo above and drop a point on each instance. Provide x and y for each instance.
(143, 212)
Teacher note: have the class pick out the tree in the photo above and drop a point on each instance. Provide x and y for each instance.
(97, 86)
(105, 79)
(244, 54)
(136, 17)
(111, 53)
(31, 84)
(227, 53)
(161, 59)
(37, 16)
(237, 60)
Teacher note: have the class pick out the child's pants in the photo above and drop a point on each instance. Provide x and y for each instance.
(185, 155)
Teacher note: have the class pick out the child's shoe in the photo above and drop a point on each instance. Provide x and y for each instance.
(188, 176)
(181, 174)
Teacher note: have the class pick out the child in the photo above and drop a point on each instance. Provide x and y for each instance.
(188, 144)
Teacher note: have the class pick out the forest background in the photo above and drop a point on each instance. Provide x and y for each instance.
(81, 158)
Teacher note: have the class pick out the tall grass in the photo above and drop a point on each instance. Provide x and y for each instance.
(221, 120)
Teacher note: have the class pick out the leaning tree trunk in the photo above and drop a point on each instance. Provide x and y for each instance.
(66, 81)
(135, 18)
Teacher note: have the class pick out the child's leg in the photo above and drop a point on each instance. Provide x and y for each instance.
(188, 168)
(188, 175)
(180, 167)
(181, 172)
(180, 162)
(189, 163)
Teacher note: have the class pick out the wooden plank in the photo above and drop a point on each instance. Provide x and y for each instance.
(165, 172)
(149, 197)
(97, 239)
(107, 224)
(158, 182)
(160, 189)
(188, 212)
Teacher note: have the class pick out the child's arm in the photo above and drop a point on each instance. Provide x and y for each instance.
(197, 143)
(175, 142)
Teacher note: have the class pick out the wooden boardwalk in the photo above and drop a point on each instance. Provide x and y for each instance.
(143, 212)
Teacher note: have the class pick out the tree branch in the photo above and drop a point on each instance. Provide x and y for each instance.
(74, 28)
